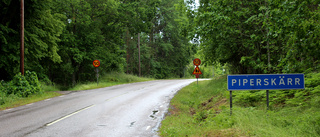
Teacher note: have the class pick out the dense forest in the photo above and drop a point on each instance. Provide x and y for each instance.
(63, 37)
(260, 36)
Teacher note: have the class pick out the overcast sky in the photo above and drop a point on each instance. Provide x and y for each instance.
(197, 3)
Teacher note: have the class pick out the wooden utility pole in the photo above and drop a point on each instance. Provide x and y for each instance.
(139, 54)
(22, 37)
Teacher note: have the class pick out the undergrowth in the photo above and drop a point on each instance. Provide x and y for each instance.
(20, 87)
(110, 79)
(28, 89)
(22, 90)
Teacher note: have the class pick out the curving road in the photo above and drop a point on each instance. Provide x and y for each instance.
(119, 111)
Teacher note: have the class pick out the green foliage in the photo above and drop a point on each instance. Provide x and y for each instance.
(193, 109)
(164, 46)
(293, 110)
(14, 101)
(62, 38)
(260, 36)
(48, 87)
(42, 32)
(20, 86)
(2, 92)
(33, 80)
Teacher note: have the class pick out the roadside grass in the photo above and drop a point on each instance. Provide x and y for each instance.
(203, 110)
(11, 101)
(110, 79)
(46, 87)
(287, 122)
(14, 101)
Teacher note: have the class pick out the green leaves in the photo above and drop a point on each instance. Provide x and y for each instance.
(62, 38)
(250, 35)
(23, 86)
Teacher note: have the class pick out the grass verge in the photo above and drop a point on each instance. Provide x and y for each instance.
(11, 101)
(110, 80)
(203, 110)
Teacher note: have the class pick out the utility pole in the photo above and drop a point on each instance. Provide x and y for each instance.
(139, 54)
(22, 37)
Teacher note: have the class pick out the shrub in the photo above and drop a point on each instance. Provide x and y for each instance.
(19, 86)
(2, 88)
(22, 86)
(32, 78)
(2, 93)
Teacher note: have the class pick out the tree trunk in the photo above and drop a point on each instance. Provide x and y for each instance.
(73, 79)
(128, 55)
(139, 54)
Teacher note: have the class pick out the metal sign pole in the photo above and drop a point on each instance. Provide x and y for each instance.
(96, 64)
(197, 81)
(97, 75)
(267, 99)
(230, 102)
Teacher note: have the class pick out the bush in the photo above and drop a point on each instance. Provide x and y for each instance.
(3, 91)
(32, 78)
(21, 86)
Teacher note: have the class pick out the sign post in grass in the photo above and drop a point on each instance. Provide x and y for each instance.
(96, 64)
(264, 82)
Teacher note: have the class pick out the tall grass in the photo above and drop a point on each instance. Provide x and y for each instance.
(287, 122)
(49, 87)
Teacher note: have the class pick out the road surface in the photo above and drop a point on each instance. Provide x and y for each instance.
(119, 111)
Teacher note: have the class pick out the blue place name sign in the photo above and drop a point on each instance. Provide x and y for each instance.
(266, 82)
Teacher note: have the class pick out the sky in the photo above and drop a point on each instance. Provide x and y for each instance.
(197, 3)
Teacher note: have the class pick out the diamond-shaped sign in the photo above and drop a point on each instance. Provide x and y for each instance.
(197, 71)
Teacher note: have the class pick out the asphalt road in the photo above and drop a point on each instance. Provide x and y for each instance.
(119, 111)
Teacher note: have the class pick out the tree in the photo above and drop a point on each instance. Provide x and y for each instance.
(42, 31)
(92, 32)
(249, 35)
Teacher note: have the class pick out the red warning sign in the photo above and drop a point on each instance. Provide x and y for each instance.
(197, 71)
(96, 63)
(197, 62)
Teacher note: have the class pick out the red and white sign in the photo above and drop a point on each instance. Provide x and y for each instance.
(197, 62)
(197, 71)
(96, 63)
